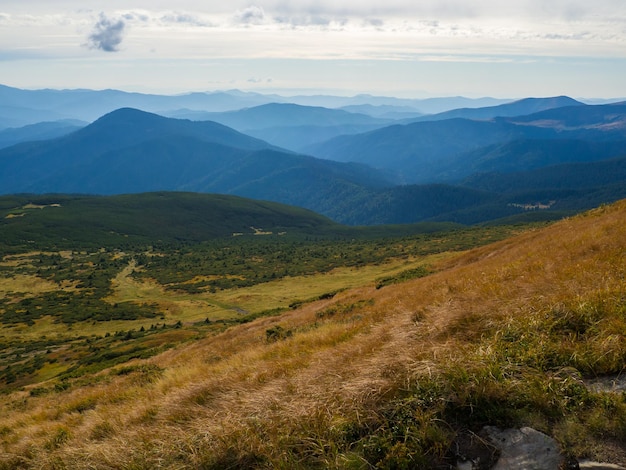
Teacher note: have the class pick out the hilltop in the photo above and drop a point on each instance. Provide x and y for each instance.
(64, 221)
(508, 334)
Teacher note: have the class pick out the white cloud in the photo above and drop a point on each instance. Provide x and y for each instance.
(133, 16)
(437, 32)
(304, 20)
(186, 19)
(252, 14)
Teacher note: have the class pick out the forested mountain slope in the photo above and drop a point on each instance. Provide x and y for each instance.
(438, 151)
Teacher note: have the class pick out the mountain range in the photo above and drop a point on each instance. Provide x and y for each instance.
(289, 125)
(39, 131)
(515, 108)
(446, 150)
(493, 163)
(20, 107)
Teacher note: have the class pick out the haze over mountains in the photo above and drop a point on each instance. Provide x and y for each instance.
(292, 126)
(21, 107)
(465, 165)
(429, 151)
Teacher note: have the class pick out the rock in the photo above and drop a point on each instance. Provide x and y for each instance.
(610, 384)
(515, 449)
(525, 449)
(588, 465)
(475, 452)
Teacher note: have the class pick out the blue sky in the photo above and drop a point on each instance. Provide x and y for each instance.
(392, 47)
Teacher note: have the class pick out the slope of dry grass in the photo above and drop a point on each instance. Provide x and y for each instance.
(389, 378)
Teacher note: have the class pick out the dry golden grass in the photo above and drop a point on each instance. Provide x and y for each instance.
(473, 335)
(226, 303)
(30, 285)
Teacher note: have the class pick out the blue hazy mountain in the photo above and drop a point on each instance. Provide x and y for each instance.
(384, 111)
(39, 131)
(289, 125)
(130, 151)
(435, 151)
(22, 107)
(516, 108)
(284, 115)
(530, 154)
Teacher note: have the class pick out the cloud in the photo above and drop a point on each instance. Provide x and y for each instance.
(376, 22)
(186, 19)
(357, 10)
(251, 15)
(141, 17)
(305, 20)
(255, 81)
(107, 34)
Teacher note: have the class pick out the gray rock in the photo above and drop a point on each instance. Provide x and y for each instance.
(610, 384)
(515, 449)
(475, 452)
(588, 465)
(525, 449)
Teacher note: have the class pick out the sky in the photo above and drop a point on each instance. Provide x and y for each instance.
(404, 48)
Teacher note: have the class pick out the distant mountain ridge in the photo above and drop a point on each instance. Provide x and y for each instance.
(20, 107)
(530, 154)
(285, 115)
(383, 111)
(39, 131)
(88, 105)
(516, 108)
(435, 151)
(289, 125)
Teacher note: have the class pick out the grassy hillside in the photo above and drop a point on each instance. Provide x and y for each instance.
(66, 222)
(133, 221)
(382, 375)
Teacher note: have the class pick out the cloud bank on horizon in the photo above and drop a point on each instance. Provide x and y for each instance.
(434, 46)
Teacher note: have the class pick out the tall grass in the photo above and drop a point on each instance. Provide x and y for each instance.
(503, 335)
